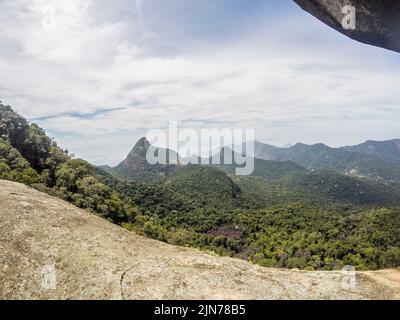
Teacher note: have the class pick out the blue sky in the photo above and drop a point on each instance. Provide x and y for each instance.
(97, 75)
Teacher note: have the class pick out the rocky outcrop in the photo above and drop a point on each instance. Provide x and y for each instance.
(377, 22)
(50, 249)
(136, 166)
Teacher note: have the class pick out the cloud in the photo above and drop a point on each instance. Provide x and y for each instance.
(97, 76)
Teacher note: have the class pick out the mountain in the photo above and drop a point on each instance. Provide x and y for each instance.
(268, 169)
(377, 161)
(319, 156)
(385, 150)
(205, 186)
(278, 182)
(136, 167)
(94, 259)
(272, 181)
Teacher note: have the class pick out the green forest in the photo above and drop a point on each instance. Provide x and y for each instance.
(283, 216)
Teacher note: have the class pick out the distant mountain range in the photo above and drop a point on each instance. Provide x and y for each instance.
(366, 174)
(379, 161)
(375, 160)
(384, 150)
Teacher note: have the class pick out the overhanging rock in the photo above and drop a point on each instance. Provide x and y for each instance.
(377, 21)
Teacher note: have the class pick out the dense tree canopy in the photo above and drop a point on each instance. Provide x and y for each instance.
(286, 218)
(29, 156)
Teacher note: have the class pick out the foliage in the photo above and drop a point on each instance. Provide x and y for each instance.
(204, 186)
(282, 216)
(14, 167)
(291, 236)
(323, 187)
(29, 156)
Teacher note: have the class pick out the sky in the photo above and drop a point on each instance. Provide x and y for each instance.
(98, 74)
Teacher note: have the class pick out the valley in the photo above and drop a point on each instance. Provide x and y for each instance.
(300, 209)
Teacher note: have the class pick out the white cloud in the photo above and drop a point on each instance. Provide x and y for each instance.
(293, 81)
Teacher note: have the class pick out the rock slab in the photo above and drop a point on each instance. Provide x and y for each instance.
(50, 249)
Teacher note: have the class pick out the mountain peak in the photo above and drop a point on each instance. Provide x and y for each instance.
(136, 166)
(140, 148)
(143, 142)
(299, 145)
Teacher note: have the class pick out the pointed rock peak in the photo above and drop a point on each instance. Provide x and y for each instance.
(142, 143)
(140, 148)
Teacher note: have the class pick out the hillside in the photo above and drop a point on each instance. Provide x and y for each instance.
(265, 168)
(94, 259)
(355, 161)
(204, 185)
(323, 187)
(329, 186)
(385, 150)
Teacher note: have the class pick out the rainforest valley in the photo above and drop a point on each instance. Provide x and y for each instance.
(307, 207)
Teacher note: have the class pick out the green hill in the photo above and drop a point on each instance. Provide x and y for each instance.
(267, 169)
(204, 185)
(324, 188)
(328, 186)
